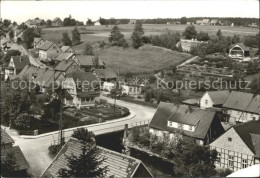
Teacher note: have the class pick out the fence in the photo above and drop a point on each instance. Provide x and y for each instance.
(105, 130)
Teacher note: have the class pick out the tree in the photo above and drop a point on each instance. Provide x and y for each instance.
(48, 23)
(88, 50)
(11, 34)
(193, 160)
(235, 39)
(8, 165)
(103, 21)
(183, 20)
(137, 35)
(28, 37)
(116, 37)
(75, 36)
(219, 34)
(203, 36)
(112, 21)
(190, 32)
(7, 22)
(88, 163)
(66, 39)
(9, 54)
(89, 22)
(14, 23)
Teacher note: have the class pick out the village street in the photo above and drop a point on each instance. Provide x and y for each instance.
(36, 149)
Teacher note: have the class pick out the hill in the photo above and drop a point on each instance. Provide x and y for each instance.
(146, 59)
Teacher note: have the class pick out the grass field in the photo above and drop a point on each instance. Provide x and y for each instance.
(146, 59)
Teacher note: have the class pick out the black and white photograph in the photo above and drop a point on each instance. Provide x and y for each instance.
(129, 88)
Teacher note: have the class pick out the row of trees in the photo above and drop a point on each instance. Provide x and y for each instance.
(75, 37)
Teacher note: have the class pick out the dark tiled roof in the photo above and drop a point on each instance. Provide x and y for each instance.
(31, 71)
(105, 74)
(64, 56)
(45, 46)
(191, 101)
(20, 62)
(83, 77)
(219, 97)
(238, 100)
(64, 65)
(183, 114)
(57, 18)
(65, 48)
(5, 138)
(119, 165)
(254, 106)
(20, 159)
(85, 60)
(245, 129)
(47, 77)
(256, 144)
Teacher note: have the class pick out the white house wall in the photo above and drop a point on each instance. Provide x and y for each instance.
(206, 101)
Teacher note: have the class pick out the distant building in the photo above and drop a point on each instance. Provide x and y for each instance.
(118, 165)
(239, 146)
(7, 147)
(132, 21)
(214, 99)
(199, 22)
(189, 23)
(242, 107)
(96, 23)
(133, 90)
(89, 63)
(197, 125)
(215, 22)
(239, 51)
(16, 65)
(205, 22)
(57, 22)
(35, 23)
(186, 45)
(82, 88)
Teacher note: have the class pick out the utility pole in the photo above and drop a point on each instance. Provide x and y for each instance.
(117, 84)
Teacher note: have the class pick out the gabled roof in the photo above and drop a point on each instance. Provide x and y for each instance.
(81, 77)
(45, 46)
(118, 165)
(65, 48)
(183, 114)
(57, 18)
(31, 71)
(15, 46)
(242, 46)
(47, 77)
(105, 73)
(254, 106)
(20, 61)
(5, 138)
(20, 159)
(238, 100)
(218, 97)
(37, 40)
(85, 60)
(214, 21)
(64, 56)
(245, 130)
(64, 65)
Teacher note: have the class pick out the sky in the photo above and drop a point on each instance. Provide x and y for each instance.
(20, 11)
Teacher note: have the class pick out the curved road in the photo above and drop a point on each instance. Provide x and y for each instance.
(36, 149)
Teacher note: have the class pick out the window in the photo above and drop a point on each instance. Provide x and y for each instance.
(230, 161)
(130, 89)
(170, 123)
(254, 118)
(180, 126)
(219, 157)
(244, 163)
(206, 101)
(229, 139)
(190, 127)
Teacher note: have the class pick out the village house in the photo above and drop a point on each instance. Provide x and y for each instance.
(215, 22)
(67, 66)
(133, 90)
(35, 23)
(239, 51)
(48, 50)
(200, 126)
(16, 65)
(187, 45)
(89, 63)
(105, 75)
(118, 165)
(242, 107)
(65, 56)
(82, 89)
(37, 42)
(48, 78)
(67, 49)
(7, 147)
(57, 22)
(132, 21)
(97, 23)
(205, 22)
(238, 147)
(20, 48)
(213, 99)
(31, 72)
(199, 22)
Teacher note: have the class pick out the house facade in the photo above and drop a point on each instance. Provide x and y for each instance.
(67, 67)
(82, 88)
(37, 42)
(57, 22)
(133, 90)
(239, 51)
(200, 126)
(213, 99)
(48, 50)
(16, 65)
(242, 107)
(238, 147)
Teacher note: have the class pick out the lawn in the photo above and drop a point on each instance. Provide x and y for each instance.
(146, 59)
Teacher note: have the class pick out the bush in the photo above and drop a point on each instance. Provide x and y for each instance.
(145, 39)
(102, 44)
(54, 150)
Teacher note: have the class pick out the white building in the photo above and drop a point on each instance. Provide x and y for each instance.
(133, 90)
(213, 99)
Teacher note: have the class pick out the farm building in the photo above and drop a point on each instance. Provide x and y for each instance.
(215, 22)
(132, 21)
(239, 51)
(198, 125)
(238, 147)
(186, 45)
